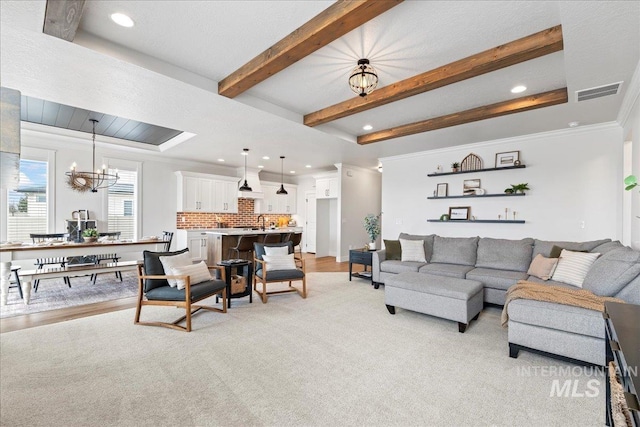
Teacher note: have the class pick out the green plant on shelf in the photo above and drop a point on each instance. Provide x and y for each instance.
(90, 232)
(518, 188)
(630, 182)
(455, 166)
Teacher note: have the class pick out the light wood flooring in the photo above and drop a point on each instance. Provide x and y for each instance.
(313, 264)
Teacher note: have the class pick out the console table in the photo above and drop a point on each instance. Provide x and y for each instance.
(363, 257)
(622, 329)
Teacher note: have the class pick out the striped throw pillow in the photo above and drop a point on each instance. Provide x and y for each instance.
(197, 273)
(412, 250)
(279, 262)
(573, 267)
(169, 262)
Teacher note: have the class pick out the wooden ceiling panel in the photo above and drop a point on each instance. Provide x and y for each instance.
(525, 103)
(330, 24)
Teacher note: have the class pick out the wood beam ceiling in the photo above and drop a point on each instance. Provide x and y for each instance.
(525, 103)
(62, 18)
(524, 49)
(329, 25)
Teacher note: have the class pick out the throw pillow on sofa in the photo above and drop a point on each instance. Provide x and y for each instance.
(542, 267)
(394, 250)
(573, 267)
(412, 250)
(557, 250)
(197, 273)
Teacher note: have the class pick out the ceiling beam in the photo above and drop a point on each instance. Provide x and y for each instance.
(529, 47)
(329, 25)
(531, 102)
(62, 18)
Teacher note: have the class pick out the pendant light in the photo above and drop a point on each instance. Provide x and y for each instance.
(282, 190)
(245, 186)
(97, 178)
(363, 79)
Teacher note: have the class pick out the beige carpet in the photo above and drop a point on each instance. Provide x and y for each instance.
(337, 358)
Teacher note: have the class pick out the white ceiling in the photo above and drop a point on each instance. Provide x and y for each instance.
(165, 71)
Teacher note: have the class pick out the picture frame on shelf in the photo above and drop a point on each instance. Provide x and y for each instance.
(469, 186)
(459, 213)
(442, 190)
(507, 159)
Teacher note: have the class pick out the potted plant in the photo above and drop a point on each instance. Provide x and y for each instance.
(455, 166)
(520, 188)
(630, 182)
(372, 227)
(90, 235)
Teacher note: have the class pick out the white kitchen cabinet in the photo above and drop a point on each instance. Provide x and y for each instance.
(273, 203)
(206, 193)
(327, 188)
(196, 241)
(226, 197)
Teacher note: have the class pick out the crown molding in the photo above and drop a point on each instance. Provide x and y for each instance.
(514, 139)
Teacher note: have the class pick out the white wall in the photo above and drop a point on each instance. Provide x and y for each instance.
(305, 184)
(574, 175)
(631, 132)
(360, 195)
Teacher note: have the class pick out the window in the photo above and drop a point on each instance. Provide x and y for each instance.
(28, 210)
(122, 212)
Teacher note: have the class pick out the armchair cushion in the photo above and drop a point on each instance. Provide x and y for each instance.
(282, 275)
(153, 267)
(199, 291)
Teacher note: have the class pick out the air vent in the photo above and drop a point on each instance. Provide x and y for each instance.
(598, 92)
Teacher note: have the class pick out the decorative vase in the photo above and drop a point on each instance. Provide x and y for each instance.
(372, 246)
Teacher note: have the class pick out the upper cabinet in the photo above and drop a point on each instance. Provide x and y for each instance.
(327, 188)
(206, 193)
(273, 203)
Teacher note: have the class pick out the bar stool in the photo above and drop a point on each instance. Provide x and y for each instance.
(272, 238)
(244, 245)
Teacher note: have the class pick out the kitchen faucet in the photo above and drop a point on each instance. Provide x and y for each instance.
(261, 216)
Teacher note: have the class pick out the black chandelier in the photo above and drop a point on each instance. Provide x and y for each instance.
(281, 190)
(245, 186)
(363, 79)
(85, 181)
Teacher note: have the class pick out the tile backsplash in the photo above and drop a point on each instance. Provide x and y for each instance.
(245, 216)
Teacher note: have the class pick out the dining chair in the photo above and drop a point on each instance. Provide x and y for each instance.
(39, 238)
(167, 236)
(154, 289)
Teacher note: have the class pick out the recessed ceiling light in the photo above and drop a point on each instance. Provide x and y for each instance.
(367, 127)
(292, 171)
(122, 20)
(265, 158)
(574, 124)
(518, 89)
(221, 160)
(307, 166)
(261, 167)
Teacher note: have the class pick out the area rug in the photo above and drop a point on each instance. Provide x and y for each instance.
(54, 293)
(337, 358)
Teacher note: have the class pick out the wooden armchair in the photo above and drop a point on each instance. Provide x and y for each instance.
(154, 289)
(265, 272)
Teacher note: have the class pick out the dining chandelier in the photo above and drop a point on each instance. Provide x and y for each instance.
(85, 181)
(281, 190)
(363, 79)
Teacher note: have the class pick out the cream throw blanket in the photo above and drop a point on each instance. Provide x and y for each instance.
(558, 294)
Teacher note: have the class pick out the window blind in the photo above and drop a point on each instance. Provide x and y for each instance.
(122, 208)
(28, 204)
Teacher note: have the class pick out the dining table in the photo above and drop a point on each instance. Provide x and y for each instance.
(26, 251)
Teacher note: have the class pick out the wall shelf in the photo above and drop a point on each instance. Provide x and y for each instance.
(485, 221)
(477, 195)
(478, 170)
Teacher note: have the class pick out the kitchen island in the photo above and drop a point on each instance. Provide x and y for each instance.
(221, 239)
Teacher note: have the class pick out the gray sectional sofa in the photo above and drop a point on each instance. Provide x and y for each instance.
(570, 332)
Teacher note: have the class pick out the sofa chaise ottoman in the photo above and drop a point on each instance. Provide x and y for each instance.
(451, 298)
